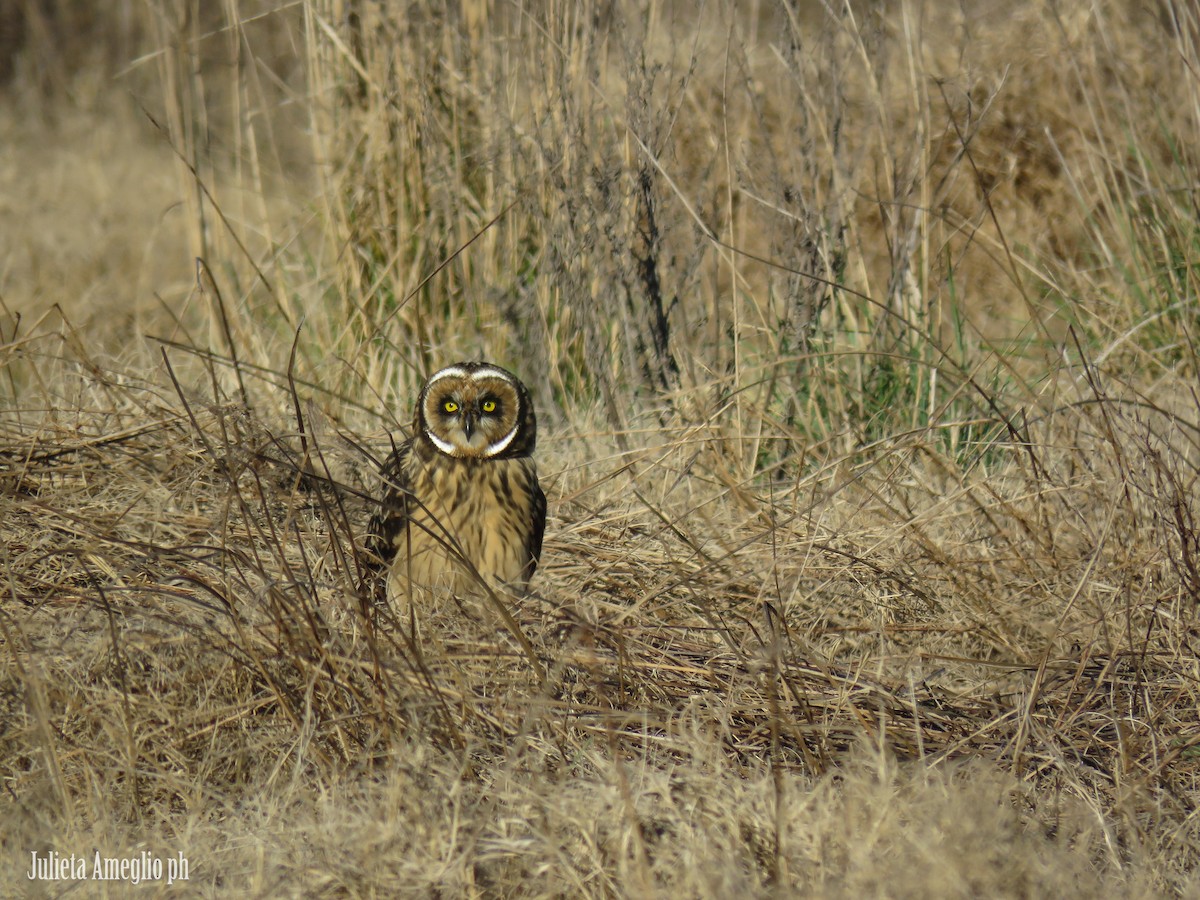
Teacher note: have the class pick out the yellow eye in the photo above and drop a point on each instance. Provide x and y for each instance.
(489, 406)
(450, 406)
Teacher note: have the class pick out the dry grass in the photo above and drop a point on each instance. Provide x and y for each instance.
(862, 342)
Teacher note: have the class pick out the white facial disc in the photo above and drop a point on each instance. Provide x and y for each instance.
(500, 445)
(491, 372)
(445, 446)
(446, 373)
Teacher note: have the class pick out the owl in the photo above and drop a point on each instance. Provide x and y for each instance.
(461, 499)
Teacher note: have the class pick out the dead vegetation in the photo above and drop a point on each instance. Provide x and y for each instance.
(861, 583)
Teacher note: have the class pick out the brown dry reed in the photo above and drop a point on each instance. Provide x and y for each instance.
(862, 337)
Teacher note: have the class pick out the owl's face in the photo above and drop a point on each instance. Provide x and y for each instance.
(476, 411)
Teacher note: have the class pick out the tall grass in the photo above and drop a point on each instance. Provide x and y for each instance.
(861, 340)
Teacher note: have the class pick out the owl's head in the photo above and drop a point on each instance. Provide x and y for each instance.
(474, 410)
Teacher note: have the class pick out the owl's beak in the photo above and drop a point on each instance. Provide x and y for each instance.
(469, 420)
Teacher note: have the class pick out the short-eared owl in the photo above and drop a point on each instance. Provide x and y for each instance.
(464, 487)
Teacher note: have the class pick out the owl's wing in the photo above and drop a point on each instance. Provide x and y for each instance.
(538, 511)
(392, 515)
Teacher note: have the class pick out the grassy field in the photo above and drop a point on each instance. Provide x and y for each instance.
(863, 343)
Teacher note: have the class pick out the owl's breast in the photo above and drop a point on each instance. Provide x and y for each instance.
(478, 511)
